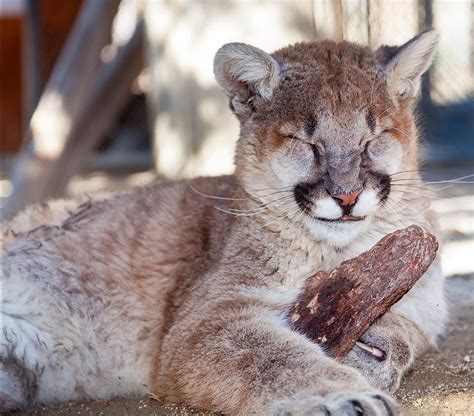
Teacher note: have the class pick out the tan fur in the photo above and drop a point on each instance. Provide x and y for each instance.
(181, 289)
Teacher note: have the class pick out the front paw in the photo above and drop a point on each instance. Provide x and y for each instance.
(383, 355)
(338, 404)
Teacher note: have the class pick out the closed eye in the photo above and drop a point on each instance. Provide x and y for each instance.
(364, 145)
(366, 155)
(315, 149)
(292, 137)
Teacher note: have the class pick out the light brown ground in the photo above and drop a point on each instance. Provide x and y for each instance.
(442, 382)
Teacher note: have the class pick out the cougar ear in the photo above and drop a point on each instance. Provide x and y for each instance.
(403, 66)
(244, 71)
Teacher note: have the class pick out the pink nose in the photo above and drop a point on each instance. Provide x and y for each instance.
(347, 199)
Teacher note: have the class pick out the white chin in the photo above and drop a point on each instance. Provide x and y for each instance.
(337, 234)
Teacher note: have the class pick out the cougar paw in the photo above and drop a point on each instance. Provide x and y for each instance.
(338, 404)
(299, 406)
(361, 404)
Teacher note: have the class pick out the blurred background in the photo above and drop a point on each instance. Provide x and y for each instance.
(109, 94)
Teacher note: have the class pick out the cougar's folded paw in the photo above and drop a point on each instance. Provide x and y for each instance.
(338, 404)
(383, 355)
(304, 406)
(358, 404)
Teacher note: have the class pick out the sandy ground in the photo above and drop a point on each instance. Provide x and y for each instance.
(441, 382)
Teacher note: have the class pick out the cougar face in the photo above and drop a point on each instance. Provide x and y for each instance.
(329, 123)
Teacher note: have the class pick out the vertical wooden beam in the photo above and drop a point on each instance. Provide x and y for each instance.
(57, 18)
(47, 26)
(32, 46)
(61, 104)
(338, 11)
(369, 11)
(425, 21)
(471, 57)
(109, 96)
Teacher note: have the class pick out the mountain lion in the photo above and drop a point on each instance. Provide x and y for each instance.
(182, 288)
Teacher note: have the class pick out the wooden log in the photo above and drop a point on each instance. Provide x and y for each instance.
(336, 308)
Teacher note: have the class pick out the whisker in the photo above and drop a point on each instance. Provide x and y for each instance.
(401, 220)
(271, 189)
(455, 180)
(266, 205)
(373, 83)
(286, 191)
(243, 214)
(459, 180)
(386, 111)
(292, 144)
(407, 171)
(402, 204)
(216, 197)
(421, 194)
(418, 185)
(408, 185)
(236, 211)
(292, 224)
(397, 216)
(401, 131)
(290, 212)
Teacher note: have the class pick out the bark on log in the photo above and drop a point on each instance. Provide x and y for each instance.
(336, 308)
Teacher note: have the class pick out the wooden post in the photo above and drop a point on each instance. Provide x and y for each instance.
(32, 45)
(62, 102)
(110, 94)
(425, 21)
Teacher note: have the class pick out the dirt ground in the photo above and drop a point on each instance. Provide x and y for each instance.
(441, 382)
